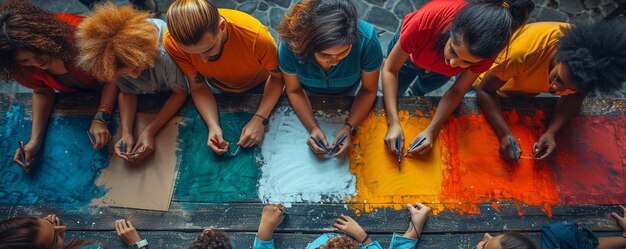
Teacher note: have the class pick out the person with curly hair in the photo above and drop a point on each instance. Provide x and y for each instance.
(353, 236)
(444, 38)
(37, 49)
(224, 51)
(212, 239)
(565, 234)
(556, 58)
(326, 49)
(138, 67)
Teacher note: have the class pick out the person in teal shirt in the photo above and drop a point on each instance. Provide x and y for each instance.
(353, 236)
(326, 50)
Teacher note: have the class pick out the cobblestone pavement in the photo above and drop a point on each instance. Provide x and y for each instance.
(385, 15)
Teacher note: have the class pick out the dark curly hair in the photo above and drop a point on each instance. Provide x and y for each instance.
(211, 239)
(342, 242)
(595, 55)
(30, 28)
(316, 25)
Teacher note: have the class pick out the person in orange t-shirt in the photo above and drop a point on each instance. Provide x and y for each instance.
(556, 58)
(223, 50)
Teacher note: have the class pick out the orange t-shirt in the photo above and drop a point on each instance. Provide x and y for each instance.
(249, 55)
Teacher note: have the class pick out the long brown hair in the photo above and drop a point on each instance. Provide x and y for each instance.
(26, 27)
(18, 233)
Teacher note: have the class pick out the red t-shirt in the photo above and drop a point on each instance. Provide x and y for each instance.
(38, 79)
(419, 32)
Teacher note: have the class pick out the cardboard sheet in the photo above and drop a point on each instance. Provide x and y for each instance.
(147, 184)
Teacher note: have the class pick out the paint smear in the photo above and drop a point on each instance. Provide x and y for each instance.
(64, 170)
(590, 160)
(476, 174)
(380, 180)
(206, 177)
(292, 172)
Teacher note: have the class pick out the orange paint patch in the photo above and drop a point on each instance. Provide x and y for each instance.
(381, 182)
(477, 175)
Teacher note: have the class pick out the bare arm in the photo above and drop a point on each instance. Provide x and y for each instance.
(205, 103)
(448, 103)
(565, 109)
(392, 66)
(252, 134)
(107, 103)
(489, 102)
(43, 100)
(615, 242)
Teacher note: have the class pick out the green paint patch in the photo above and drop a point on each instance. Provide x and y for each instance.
(204, 176)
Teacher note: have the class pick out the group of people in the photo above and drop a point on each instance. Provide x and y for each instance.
(323, 49)
(49, 233)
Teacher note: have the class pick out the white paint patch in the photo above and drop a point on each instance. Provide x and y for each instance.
(292, 172)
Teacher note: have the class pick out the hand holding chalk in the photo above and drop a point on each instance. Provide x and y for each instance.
(317, 141)
(510, 148)
(271, 217)
(216, 141)
(101, 135)
(24, 155)
(421, 144)
(144, 147)
(341, 145)
(394, 132)
(122, 145)
(252, 134)
(545, 146)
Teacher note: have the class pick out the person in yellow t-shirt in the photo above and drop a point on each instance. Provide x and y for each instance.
(223, 50)
(556, 58)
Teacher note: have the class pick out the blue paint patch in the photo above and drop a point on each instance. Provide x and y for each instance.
(64, 170)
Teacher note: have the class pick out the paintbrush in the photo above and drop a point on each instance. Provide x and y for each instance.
(399, 151)
(514, 150)
(336, 147)
(415, 145)
(319, 144)
(23, 157)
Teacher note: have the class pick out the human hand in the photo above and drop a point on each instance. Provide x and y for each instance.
(419, 215)
(271, 217)
(546, 142)
(53, 219)
(252, 134)
(101, 135)
(425, 146)
(506, 150)
(215, 134)
(393, 133)
(129, 142)
(319, 135)
(349, 226)
(126, 232)
(30, 150)
(621, 219)
(340, 149)
(144, 146)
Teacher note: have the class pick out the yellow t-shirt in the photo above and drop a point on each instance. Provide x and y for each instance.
(525, 65)
(249, 55)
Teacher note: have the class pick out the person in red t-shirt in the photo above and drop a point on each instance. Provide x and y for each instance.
(445, 38)
(37, 50)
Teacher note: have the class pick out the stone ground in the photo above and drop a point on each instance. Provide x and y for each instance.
(385, 15)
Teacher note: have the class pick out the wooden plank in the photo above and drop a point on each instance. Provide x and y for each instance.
(86, 103)
(319, 217)
(174, 240)
(5, 211)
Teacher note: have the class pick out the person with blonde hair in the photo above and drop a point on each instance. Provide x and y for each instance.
(224, 51)
(124, 46)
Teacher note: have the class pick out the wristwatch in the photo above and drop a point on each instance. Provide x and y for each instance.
(142, 243)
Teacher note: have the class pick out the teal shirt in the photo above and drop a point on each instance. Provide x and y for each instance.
(365, 55)
(397, 242)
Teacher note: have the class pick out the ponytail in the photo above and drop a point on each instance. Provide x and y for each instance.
(486, 26)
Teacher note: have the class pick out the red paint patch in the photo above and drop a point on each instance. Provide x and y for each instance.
(589, 163)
